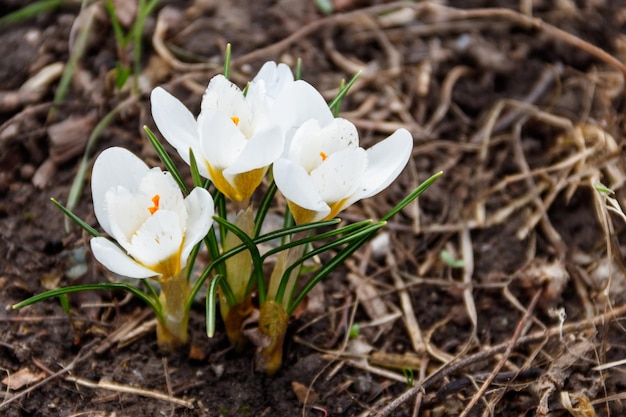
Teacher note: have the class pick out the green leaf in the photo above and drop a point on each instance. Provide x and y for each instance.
(264, 208)
(93, 232)
(325, 6)
(355, 329)
(408, 374)
(120, 38)
(76, 55)
(143, 11)
(360, 236)
(29, 11)
(352, 247)
(195, 173)
(257, 261)
(65, 304)
(298, 75)
(326, 269)
(348, 229)
(227, 58)
(414, 194)
(450, 260)
(110, 286)
(334, 105)
(167, 161)
(211, 307)
(218, 260)
(603, 189)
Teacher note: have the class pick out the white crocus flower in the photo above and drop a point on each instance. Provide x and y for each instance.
(233, 140)
(144, 210)
(324, 169)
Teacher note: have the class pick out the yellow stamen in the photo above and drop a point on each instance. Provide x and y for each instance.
(235, 120)
(155, 201)
(323, 155)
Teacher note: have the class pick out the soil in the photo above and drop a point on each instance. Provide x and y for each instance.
(519, 103)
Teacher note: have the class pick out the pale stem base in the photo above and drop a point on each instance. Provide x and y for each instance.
(172, 330)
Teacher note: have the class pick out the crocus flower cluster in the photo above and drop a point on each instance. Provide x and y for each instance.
(237, 137)
(318, 164)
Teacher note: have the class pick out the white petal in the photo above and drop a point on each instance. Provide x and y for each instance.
(340, 175)
(296, 185)
(115, 260)
(311, 144)
(298, 103)
(273, 79)
(261, 150)
(175, 121)
(225, 97)
(162, 184)
(114, 167)
(385, 161)
(221, 140)
(158, 239)
(200, 210)
(303, 139)
(266, 72)
(126, 213)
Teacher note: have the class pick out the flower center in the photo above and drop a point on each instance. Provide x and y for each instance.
(235, 120)
(155, 201)
(323, 156)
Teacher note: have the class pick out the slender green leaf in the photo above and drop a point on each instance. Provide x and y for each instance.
(298, 75)
(254, 253)
(342, 93)
(195, 174)
(288, 221)
(336, 108)
(346, 252)
(93, 232)
(360, 236)
(110, 286)
(326, 269)
(227, 58)
(167, 161)
(211, 307)
(264, 208)
(220, 208)
(65, 304)
(603, 189)
(120, 38)
(151, 290)
(414, 194)
(29, 11)
(310, 239)
(217, 260)
(192, 260)
(76, 55)
(215, 264)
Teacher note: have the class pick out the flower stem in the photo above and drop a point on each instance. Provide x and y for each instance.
(238, 273)
(281, 288)
(273, 322)
(172, 329)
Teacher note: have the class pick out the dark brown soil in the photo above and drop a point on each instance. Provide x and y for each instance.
(525, 116)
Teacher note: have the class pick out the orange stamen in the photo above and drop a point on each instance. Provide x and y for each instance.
(235, 120)
(323, 155)
(155, 201)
